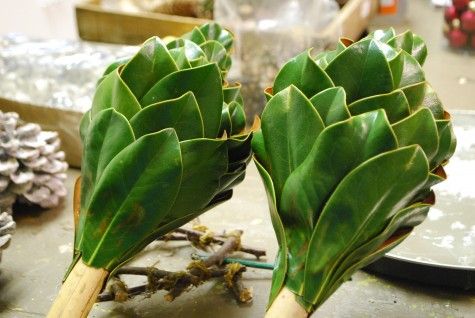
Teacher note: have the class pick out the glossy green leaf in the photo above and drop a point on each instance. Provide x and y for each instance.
(112, 92)
(415, 95)
(404, 171)
(204, 82)
(383, 35)
(195, 36)
(304, 73)
(326, 57)
(394, 104)
(179, 56)
(396, 65)
(213, 31)
(192, 50)
(84, 125)
(412, 44)
(412, 72)
(115, 65)
(182, 114)
(215, 52)
(331, 105)
(99, 150)
(151, 63)
(280, 270)
(131, 197)
(419, 129)
(200, 157)
(362, 70)
(348, 144)
(259, 149)
(290, 126)
(432, 102)
(447, 142)
(238, 118)
(409, 216)
(232, 93)
(226, 123)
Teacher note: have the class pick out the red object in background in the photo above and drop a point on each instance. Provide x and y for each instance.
(468, 21)
(460, 5)
(450, 14)
(457, 38)
(472, 42)
(468, 18)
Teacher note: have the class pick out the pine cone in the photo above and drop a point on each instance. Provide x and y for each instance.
(32, 170)
(7, 227)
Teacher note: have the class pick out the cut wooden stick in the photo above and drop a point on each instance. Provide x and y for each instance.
(285, 305)
(79, 292)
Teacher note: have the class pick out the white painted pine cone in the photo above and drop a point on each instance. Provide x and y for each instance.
(32, 169)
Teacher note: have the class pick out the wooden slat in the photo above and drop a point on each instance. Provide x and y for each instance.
(65, 122)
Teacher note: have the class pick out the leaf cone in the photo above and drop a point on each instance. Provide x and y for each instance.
(351, 142)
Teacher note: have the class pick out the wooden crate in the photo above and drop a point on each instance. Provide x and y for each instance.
(96, 24)
(65, 122)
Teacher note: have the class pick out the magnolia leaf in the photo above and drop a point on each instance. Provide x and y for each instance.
(412, 72)
(259, 149)
(84, 125)
(418, 129)
(302, 72)
(99, 150)
(200, 157)
(415, 95)
(447, 142)
(362, 70)
(204, 82)
(232, 93)
(213, 31)
(348, 144)
(195, 36)
(192, 50)
(307, 188)
(387, 182)
(226, 123)
(290, 126)
(412, 44)
(383, 35)
(112, 92)
(432, 102)
(397, 68)
(238, 118)
(179, 56)
(324, 58)
(149, 65)
(182, 114)
(331, 105)
(131, 198)
(280, 269)
(215, 52)
(395, 105)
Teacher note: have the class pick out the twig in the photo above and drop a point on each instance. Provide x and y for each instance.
(194, 237)
(178, 282)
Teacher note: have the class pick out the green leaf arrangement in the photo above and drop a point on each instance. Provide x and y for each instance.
(164, 142)
(351, 143)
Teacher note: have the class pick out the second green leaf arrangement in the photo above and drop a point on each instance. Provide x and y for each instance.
(351, 142)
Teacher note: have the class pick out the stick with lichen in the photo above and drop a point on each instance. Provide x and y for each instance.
(352, 141)
(164, 142)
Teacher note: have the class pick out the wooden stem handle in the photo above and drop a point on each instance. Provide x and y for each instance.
(286, 306)
(79, 292)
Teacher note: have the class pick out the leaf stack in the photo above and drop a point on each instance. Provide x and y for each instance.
(352, 141)
(164, 141)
